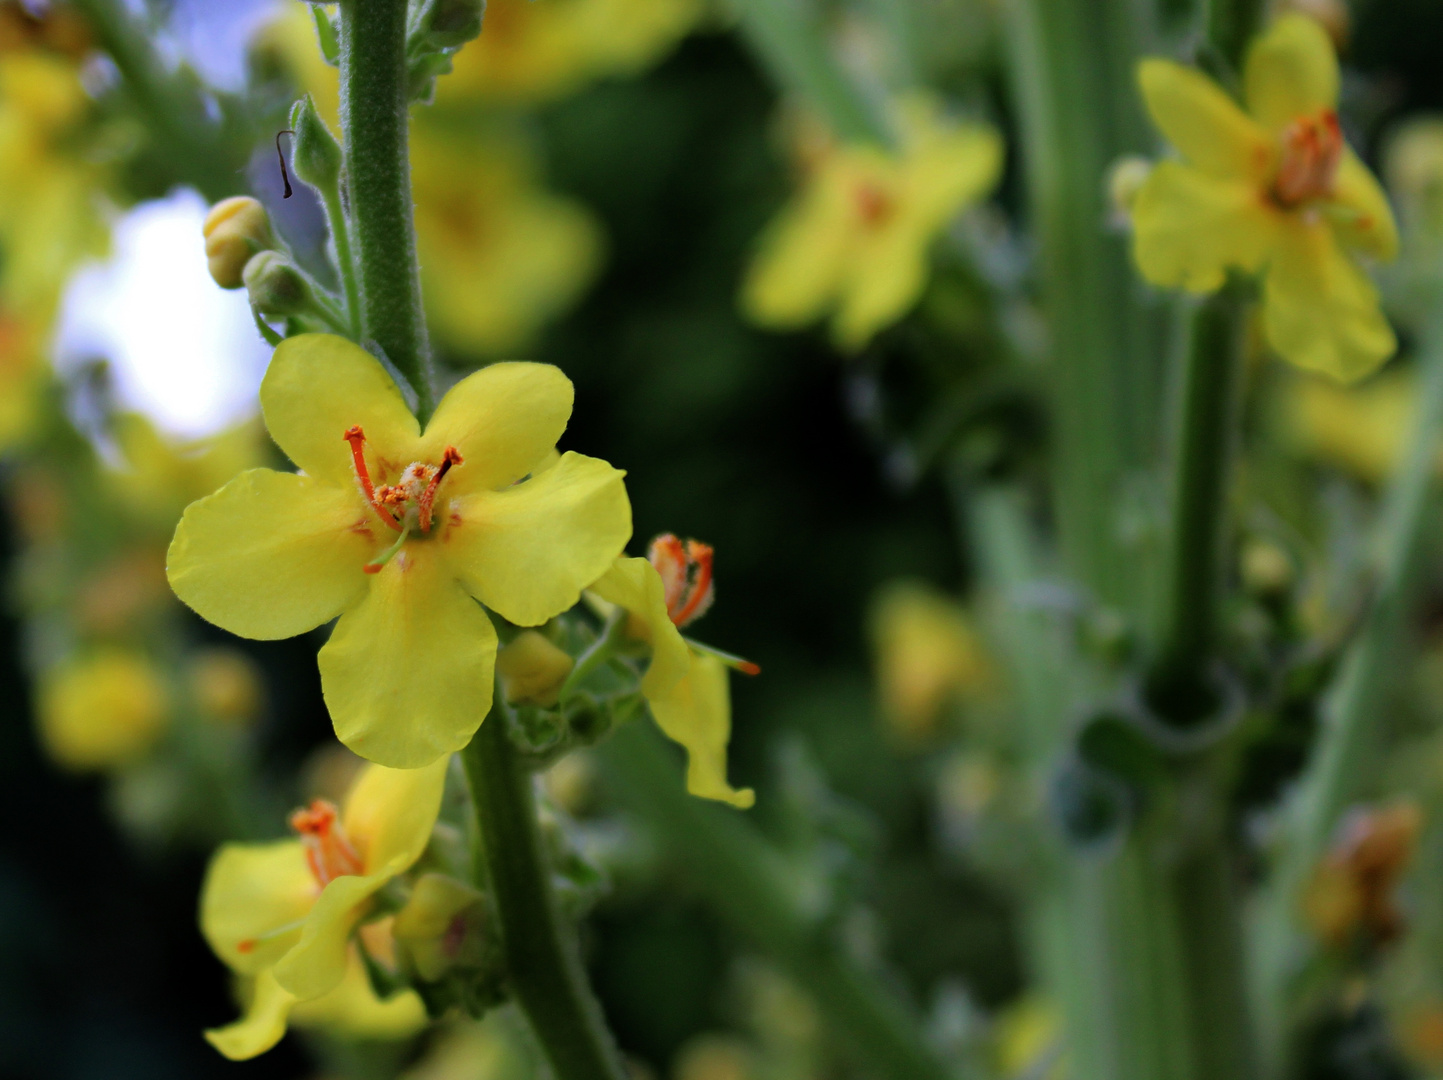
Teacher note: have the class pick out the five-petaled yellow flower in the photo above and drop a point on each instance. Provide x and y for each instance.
(685, 687)
(400, 531)
(855, 240)
(283, 913)
(1274, 189)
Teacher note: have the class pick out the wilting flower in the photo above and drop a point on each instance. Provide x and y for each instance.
(400, 532)
(284, 913)
(1274, 190)
(102, 710)
(685, 686)
(855, 240)
(1352, 894)
(538, 52)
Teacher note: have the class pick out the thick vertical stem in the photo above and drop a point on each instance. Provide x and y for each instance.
(374, 104)
(541, 950)
(1204, 431)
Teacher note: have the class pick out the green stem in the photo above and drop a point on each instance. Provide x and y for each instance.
(790, 39)
(541, 949)
(192, 147)
(374, 114)
(345, 261)
(1204, 430)
(748, 884)
(1347, 739)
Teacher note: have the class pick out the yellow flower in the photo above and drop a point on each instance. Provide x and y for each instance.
(499, 255)
(537, 52)
(160, 476)
(1273, 190)
(23, 375)
(927, 653)
(102, 711)
(283, 913)
(48, 213)
(855, 239)
(1359, 429)
(685, 687)
(396, 531)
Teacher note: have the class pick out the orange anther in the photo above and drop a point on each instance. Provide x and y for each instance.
(686, 576)
(451, 457)
(329, 851)
(357, 438)
(1312, 151)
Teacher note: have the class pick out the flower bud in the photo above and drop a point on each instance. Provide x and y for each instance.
(276, 286)
(316, 157)
(235, 229)
(1124, 181)
(449, 24)
(531, 669)
(443, 925)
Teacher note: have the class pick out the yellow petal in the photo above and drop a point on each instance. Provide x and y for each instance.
(1359, 211)
(320, 385)
(407, 672)
(887, 277)
(1291, 71)
(316, 963)
(352, 1009)
(1203, 123)
(272, 555)
(390, 813)
(697, 713)
(1320, 311)
(102, 710)
(803, 255)
(262, 1025)
(253, 901)
(528, 551)
(949, 169)
(1189, 228)
(503, 419)
(635, 585)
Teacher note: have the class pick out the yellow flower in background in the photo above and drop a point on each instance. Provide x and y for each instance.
(24, 374)
(1028, 1041)
(1359, 429)
(499, 255)
(855, 240)
(101, 711)
(530, 52)
(161, 475)
(400, 532)
(927, 654)
(1273, 190)
(685, 687)
(283, 913)
(490, 1049)
(49, 217)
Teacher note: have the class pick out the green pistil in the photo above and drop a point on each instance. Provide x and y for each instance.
(386, 556)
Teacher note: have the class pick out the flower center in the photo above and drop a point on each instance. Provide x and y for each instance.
(685, 571)
(406, 506)
(874, 204)
(1312, 150)
(329, 851)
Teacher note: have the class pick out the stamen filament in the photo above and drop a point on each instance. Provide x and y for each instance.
(699, 588)
(357, 438)
(374, 566)
(247, 945)
(451, 457)
(736, 663)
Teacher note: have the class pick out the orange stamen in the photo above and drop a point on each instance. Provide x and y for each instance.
(329, 852)
(669, 557)
(357, 438)
(449, 458)
(699, 591)
(1312, 150)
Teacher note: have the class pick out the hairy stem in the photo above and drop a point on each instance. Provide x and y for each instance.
(541, 949)
(345, 261)
(374, 104)
(747, 883)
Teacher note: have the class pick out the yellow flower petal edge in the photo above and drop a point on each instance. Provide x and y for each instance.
(634, 584)
(1290, 71)
(263, 1024)
(696, 713)
(253, 902)
(1207, 126)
